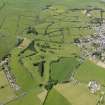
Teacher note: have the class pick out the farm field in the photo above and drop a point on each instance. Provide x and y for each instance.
(44, 57)
(23, 78)
(77, 94)
(6, 92)
(65, 67)
(27, 99)
(59, 100)
(17, 14)
(90, 71)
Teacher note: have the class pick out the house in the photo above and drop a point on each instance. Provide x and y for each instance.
(94, 86)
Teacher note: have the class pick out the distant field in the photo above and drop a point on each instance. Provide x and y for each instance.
(29, 99)
(61, 70)
(89, 71)
(77, 94)
(55, 25)
(57, 100)
(6, 93)
(17, 15)
(23, 77)
(34, 71)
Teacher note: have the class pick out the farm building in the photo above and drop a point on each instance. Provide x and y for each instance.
(94, 86)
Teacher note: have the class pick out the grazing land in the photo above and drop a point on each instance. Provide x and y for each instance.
(59, 100)
(45, 52)
(89, 71)
(77, 94)
(6, 93)
(65, 67)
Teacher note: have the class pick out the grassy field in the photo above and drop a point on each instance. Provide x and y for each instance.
(57, 26)
(17, 15)
(23, 77)
(77, 94)
(28, 99)
(34, 71)
(90, 71)
(63, 69)
(57, 100)
(6, 93)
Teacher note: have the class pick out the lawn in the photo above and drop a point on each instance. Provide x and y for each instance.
(90, 71)
(55, 98)
(62, 70)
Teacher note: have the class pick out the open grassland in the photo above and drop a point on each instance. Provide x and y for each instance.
(77, 94)
(57, 25)
(6, 92)
(68, 50)
(34, 71)
(23, 77)
(90, 71)
(27, 99)
(57, 100)
(17, 15)
(62, 70)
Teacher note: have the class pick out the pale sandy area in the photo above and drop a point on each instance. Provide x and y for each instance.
(99, 63)
(42, 96)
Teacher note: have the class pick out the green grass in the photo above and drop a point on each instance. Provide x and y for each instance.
(6, 93)
(34, 71)
(17, 15)
(90, 71)
(23, 77)
(29, 99)
(63, 69)
(77, 94)
(55, 98)
(12, 26)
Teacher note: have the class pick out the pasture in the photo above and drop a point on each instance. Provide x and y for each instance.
(23, 77)
(56, 23)
(17, 15)
(77, 94)
(27, 99)
(90, 71)
(6, 92)
(62, 70)
(57, 100)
